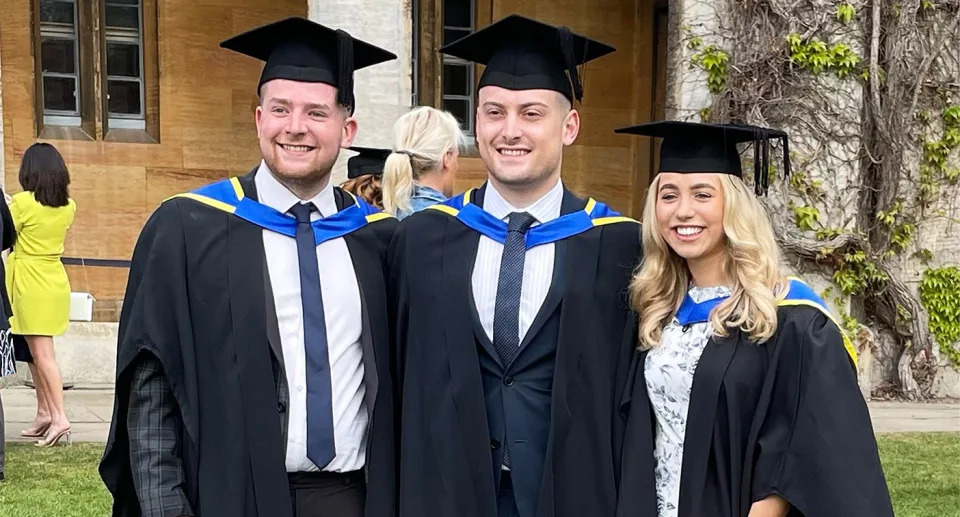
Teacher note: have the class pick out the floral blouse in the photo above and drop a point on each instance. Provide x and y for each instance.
(669, 370)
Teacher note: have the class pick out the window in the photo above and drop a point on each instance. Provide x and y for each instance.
(74, 36)
(124, 42)
(458, 81)
(440, 80)
(60, 62)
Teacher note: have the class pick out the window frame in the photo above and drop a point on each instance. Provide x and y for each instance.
(95, 121)
(445, 60)
(429, 62)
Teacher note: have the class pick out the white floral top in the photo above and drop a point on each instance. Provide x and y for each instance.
(669, 372)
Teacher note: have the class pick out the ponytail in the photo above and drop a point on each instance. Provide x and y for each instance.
(397, 182)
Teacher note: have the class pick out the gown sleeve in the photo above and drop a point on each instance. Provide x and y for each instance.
(816, 446)
(155, 321)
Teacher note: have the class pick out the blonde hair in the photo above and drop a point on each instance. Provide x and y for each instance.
(752, 264)
(421, 138)
(367, 187)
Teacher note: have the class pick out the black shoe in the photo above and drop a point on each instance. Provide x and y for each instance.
(1, 476)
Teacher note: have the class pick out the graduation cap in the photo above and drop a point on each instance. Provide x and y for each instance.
(369, 161)
(691, 147)
(301, 50)
(524, 54)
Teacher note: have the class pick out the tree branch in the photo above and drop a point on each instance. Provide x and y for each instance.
(930, 58)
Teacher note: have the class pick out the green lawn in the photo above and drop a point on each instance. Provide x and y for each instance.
(923, 471)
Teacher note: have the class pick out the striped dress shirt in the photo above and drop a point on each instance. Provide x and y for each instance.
(537, 266)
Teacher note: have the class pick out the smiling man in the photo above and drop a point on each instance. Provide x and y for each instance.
(511, 307)
(253, 374)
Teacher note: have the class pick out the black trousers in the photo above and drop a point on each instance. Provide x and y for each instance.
(327, 494)
(506, 503)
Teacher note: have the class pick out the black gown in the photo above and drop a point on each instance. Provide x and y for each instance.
(446, 467)
(785, 417)
(196, 299)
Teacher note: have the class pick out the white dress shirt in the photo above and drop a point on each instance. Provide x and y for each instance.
(341, 304)
(537, 265)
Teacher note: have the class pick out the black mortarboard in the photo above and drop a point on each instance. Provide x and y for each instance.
(691, 147)
(369, 161)
(525, 54)
(301, 50)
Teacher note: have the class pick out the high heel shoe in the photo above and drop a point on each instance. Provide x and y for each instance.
(39, 432)
(63, 436)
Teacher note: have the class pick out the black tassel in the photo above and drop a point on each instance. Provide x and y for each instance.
(786, 156)
(765, 170)
(757, 188)
(345, 69)
(566, 48)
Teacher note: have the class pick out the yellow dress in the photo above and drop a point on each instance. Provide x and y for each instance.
(36, 279)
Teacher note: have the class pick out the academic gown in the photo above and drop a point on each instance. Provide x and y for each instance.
(785, 417)
(197, 300)
(446, 465)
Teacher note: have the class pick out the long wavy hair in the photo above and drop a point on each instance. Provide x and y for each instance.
(421, 138)
(366, 187)
(752, 263)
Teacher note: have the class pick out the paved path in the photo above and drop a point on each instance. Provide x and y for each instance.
(90, 408)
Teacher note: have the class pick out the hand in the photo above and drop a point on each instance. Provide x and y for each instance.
(771, 506)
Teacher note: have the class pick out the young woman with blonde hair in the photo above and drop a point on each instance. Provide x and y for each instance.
(423, 166)
(744, 401)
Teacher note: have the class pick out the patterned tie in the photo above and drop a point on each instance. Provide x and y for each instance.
(506, 312)
(320, 442)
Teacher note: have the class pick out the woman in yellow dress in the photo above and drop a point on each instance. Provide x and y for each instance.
(37, 281)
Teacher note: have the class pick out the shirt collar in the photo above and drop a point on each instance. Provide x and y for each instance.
(545, 209)
(273, 194)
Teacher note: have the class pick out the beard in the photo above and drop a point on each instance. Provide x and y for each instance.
(318, 172)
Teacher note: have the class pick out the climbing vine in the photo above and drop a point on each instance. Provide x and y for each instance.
(713, 60)
(940, 294)
(865, 87)
(817, 56)
(935, 165)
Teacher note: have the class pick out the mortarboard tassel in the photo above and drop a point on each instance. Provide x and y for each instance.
(765, 169)
(566, 49)
(786, 156)
(757, 187)
(345, 68)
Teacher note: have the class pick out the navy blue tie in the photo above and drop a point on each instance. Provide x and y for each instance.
(506, 312)
(320, 441)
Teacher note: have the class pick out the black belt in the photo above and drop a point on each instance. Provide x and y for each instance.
(320, 479)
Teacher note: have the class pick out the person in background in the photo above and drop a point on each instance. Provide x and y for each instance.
(37, 282)
(423, 166)
(8, 235)
(364, 173)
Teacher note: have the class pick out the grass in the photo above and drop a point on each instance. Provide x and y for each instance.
(55, 481)
(923, 473)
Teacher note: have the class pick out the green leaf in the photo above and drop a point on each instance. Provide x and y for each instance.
(845, 13)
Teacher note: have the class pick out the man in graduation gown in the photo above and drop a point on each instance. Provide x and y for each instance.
(253, 373)
(780, 424)
(511, 306)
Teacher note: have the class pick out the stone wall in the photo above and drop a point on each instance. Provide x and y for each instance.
(384, 91)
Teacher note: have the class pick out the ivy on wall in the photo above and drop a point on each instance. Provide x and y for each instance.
(940, 295)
